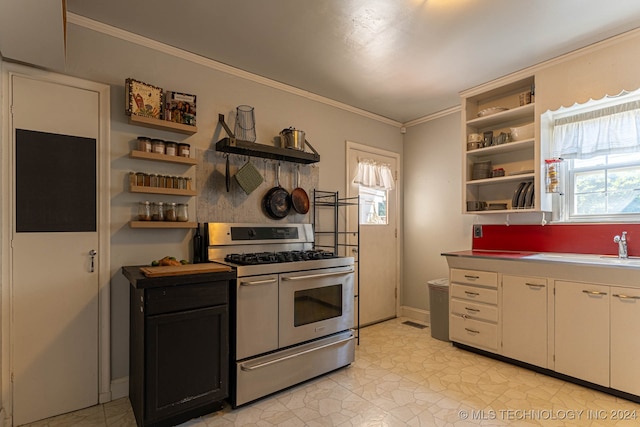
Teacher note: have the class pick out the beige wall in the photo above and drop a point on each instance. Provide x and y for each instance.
(102, 58)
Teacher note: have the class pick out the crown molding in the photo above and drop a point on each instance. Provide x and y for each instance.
(100, 27)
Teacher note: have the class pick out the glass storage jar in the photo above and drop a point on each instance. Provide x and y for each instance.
(182, 212)
(158, 146)
(170, 148)
(144, 211)
(140, 179)
(153, 181)
(170, 211)
(184, 150)
(144, 144)
(157, 211)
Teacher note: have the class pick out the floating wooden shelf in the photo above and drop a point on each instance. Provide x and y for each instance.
(158, 190)
(135, 154)
(162, 124)
(162, 224)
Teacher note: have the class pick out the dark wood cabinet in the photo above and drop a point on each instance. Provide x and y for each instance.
(179, 345)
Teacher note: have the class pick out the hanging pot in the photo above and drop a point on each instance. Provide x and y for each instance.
(299, 197)
(277, 202)
(292, 138)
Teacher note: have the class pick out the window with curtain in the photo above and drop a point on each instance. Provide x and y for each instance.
(374, 180)
(600, 144)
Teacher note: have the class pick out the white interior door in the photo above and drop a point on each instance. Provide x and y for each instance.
(54, 302)
(378, 255)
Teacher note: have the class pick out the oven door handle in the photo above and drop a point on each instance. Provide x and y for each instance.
(291, 356)
(315, 276)
(258, 282)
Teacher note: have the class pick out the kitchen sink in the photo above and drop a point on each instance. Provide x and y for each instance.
(605, 260)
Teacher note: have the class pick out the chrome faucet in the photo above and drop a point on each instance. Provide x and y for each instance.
(622, 245)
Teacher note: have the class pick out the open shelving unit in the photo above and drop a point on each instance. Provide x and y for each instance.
(336, 237)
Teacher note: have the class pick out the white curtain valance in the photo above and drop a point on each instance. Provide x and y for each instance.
(374, 175)
(610, 130)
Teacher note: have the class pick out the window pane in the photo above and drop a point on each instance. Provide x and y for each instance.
(623, 179)
(623, 202)
(589, 204)
(373, 206)
(624, 158)
(590, 182)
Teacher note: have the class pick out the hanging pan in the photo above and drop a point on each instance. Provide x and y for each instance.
(277, 202)
(299, 197)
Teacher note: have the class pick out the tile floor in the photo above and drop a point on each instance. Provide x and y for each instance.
(403, 377)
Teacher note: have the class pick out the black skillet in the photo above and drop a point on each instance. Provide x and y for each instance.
(277, 202)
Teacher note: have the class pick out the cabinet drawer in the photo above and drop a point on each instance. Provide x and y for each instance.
(473, 332)
(475, 277)
(473, 293)
(168, 299)
(473, 310)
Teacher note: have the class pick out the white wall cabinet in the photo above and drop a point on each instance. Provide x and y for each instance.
(625, 339)
(473, 312)
(497, 108)
(524, 319)
(582, 331)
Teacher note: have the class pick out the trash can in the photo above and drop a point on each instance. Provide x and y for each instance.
(439, 308)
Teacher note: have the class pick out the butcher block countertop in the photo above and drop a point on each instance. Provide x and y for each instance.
(144, 276)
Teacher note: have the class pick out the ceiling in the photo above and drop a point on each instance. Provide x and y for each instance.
(400, 59)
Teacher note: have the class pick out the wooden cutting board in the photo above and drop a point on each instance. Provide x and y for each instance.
(179, 270)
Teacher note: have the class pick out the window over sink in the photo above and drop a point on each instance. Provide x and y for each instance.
(599, 143)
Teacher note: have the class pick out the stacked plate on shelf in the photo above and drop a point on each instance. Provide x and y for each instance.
(482, 170)
(523, 197)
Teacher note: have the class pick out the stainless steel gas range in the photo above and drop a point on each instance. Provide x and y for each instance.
(292, 307)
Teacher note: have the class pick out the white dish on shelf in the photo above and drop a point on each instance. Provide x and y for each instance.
(490, 111)
(521, 172)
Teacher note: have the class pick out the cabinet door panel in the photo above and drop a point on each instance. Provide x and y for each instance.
(582, 331)
(625, 339)
(186, 365)
(524, 319)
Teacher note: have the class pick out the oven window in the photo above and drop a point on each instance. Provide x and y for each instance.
(317, 304)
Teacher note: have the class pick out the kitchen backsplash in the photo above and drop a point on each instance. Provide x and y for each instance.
(215, 204)
(570, 238)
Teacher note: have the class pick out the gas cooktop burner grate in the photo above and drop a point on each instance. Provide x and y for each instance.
(275, 257)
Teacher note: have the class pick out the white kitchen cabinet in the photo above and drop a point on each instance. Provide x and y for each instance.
(582, 331)
(496, 108)
(473, 311)
(625, 339)
(524, 319)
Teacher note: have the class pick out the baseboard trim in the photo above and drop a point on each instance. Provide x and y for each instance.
(119, 388)
(415, 314)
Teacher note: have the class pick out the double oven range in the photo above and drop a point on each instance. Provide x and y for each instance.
(292, 310)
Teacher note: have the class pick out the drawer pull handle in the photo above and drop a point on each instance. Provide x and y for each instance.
(534, 285)
(258, 282)
(622, 296)
(466, 276)
(475, 294)
(594, 292)
(473, 331)
(475, 310)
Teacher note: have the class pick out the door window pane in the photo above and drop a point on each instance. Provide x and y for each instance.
(373, 206)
